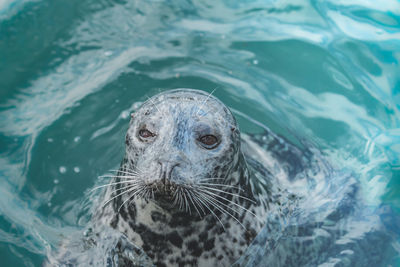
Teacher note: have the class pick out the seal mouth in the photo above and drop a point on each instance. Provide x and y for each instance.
(163, 189)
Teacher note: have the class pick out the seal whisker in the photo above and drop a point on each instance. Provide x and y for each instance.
(125, 171)
(206, 204)
(137, 168)
(128, 189)
(102, 186)
(140, 193)
(152, 102)
(130, 197)
(148, 193)
(224, 185)
(176, 197)
(225, 211)
(195, 198)
(232, 194)
(191, 200)
(232, 202)
(132, 178)
(187, 206)
(122, 188)
(217, 178)
(117, 176)
(180, 199)
(205, 100)
(132, 172)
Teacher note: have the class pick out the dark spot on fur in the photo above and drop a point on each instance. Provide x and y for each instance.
(203, 236)
(249, 235)
(114, 222)
(128, 213)
(181, 219)
(151, 241)
(209, 244)
(220, 257)
(175, 239)
(158, 217)
(187, 232)
(194, 248)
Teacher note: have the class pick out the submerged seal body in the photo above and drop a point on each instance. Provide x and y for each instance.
(184, 192)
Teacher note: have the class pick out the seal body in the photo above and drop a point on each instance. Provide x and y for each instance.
(184, 192)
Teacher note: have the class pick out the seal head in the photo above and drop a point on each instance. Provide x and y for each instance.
(181, 141)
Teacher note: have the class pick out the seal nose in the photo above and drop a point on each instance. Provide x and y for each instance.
(166, 170)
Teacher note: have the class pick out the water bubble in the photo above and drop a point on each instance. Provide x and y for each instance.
(77, 169)
(108, 53)
(125, 114)
(177, 75)
(50, 140)
(255, 61)
(62, 169)
(56, 181)
(77, 138)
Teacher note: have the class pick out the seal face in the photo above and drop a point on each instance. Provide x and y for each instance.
(183, 191)
(181, 138)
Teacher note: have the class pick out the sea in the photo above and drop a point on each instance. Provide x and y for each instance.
(319, 73)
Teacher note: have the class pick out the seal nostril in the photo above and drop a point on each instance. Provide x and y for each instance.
(171, 169)
(166, 168)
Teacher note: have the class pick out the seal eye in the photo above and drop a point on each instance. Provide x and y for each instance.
(144, 133)
(209, 141)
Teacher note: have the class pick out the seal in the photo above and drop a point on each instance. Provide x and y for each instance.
(184, 192)
(192, 191)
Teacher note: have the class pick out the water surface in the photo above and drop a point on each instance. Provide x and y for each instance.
(324, 72)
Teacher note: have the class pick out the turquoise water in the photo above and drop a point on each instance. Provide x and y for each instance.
(71, 72)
